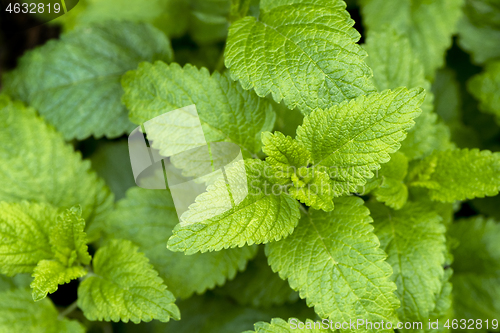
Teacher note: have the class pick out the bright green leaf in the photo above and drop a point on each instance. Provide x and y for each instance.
(458, 174)
(24, 235)
(265, 214)
(392, 190)
(334, 260)
(124, 286)
(226, 111)
(394, 64)
(302, 52)
(147, 218)
(414, 239)
(355, 137)
(68, 240)
(39, 166)
(49, 274)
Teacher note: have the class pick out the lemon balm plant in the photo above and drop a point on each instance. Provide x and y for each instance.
(371, 169)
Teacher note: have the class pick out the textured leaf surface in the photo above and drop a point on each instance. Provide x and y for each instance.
(302, 52)
(394, 64)
(334, 261)
(74, 82)
(414, 240)
(262, 216)
(125, 287)
(259, 286)
(147, 218)
(18, 313)
(355, 137)
(283, 151)
(278, 325)
(485, 87)
(458, 174)
(68, 240)
(289, 161)
(24, 235)
(476, 281)
(69, 247)
(226, 111)
(429, 25)
(39, 166)
(392, 190)
(49, 274)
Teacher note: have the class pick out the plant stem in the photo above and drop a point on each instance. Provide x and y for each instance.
(219, 67)
(303, 209)
(72, 307)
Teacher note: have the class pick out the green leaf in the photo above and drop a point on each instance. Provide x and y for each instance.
(68, 240)
(414, 239)
(392, 190)
(265, 214)
(124, 286)
(334, 260)
(476, 281)
(289, 161)
(355, 137)
(394, 64)
(458, 174)
(24, 235)
(283, 151)
(226, 111)
(278, 325)
(485, 88)
(74, 82)
(479, 30)
(302, 52)
(147, 218)
(428, 24)
(49, 274)
(69, 246)
(39, 166)
(258, 286)
(443, 310)
(18, 313)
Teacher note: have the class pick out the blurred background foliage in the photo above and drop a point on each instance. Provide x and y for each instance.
(198, 29)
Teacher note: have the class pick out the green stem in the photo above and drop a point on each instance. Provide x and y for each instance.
(220, 63)
(72, 307)
(302, 208)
